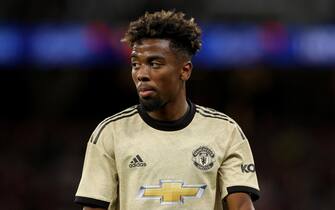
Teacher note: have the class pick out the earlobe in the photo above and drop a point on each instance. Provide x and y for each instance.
(186, 71)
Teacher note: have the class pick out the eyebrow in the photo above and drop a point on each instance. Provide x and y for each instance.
(155, 57)
(150, 58)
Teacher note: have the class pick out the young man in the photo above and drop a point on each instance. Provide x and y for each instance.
(166, 152)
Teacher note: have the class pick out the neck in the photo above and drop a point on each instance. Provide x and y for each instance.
(171, 111)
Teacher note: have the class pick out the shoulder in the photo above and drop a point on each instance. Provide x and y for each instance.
(220, 119)
(120, 117)
(126, 113)
(210, 113)
(131, 111)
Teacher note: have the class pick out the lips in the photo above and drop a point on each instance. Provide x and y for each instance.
(145, 91)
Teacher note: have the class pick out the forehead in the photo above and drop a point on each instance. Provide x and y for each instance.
(152, 47)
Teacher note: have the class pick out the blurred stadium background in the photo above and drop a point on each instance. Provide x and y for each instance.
(270, 65)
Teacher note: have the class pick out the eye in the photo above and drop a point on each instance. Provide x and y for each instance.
(135, 65)
(155, 65)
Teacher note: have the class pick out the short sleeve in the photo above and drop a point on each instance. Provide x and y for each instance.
(99, 182)
(237, 171)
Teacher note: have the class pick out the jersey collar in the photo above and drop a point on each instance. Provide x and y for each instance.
(168, 125)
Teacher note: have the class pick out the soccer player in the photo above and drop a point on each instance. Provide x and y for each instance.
(166, 153)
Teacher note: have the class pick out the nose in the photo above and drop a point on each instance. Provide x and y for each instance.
(143, 74)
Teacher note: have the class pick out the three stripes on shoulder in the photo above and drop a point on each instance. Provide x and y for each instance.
(204, 111)
(212, 113)
(123, 114)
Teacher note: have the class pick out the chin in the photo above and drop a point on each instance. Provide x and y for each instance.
(151, 104)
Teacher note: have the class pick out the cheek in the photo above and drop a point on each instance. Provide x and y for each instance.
(133, 76)
(169, 82)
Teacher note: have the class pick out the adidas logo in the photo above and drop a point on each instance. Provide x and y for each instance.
(137, 162)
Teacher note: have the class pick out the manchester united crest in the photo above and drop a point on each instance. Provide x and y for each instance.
(203, 158)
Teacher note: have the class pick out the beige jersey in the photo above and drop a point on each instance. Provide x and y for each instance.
(135, 162)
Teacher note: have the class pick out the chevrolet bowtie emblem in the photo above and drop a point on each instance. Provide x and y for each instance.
(171, 191)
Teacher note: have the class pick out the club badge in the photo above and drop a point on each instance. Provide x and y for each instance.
(203, 158)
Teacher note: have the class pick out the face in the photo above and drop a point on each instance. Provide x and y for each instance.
(159, 73)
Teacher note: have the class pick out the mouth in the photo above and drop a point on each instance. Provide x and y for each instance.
(145, 91)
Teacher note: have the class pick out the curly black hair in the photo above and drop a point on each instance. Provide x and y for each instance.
(184, 34)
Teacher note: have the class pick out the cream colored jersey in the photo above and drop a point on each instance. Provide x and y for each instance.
(135, 162)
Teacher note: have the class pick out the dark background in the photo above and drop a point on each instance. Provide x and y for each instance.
(48, 113)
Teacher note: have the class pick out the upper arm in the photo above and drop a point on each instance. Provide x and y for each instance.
(237, 171)
(239, 201)
(99, 180)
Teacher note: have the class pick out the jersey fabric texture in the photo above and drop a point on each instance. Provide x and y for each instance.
(135, 162)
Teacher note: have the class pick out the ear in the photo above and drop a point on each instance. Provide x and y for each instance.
(186, 71)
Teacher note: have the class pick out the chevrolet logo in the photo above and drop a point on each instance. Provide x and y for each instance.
(171, 191)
